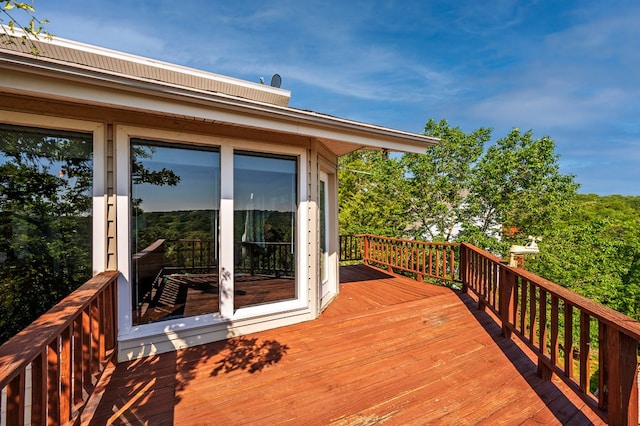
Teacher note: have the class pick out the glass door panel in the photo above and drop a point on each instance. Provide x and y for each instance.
(265, 207)
(324, 235)
(175, 204)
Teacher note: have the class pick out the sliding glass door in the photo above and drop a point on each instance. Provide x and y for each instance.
(200, 212)
(265, 209)
(175, 199)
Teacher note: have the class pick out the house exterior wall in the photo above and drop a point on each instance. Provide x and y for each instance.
(112, 128)
(328, 164)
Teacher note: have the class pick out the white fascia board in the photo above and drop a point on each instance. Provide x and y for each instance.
(88, 86)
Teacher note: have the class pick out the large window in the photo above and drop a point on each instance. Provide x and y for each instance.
(46, 186)
(213, 229)
(265, 206)
(175, 203)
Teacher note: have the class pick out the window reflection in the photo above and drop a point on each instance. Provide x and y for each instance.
(46, 186)
(175, 193)
(265, 205)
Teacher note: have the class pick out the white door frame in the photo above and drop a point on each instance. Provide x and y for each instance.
(327, 258)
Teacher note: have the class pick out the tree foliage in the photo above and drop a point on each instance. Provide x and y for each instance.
(517, 184)
(438, 181)
(46, 182)
(594, 250)
(372, 194)
(21, 15)
(465, 191)
(45, 217)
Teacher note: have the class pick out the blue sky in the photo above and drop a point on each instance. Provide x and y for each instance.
(565, 69)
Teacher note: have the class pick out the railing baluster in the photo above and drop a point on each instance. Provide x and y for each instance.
(532, 313)
(585, 356)
(95, 338)
(15, 400)
(542, 326)
(604, 356)
(554, 344)
(568, 340)
(77, 360)
(53, 383)
(452, 272)
(65, 376)
(39, 389)
(86, 350)
(523, 307)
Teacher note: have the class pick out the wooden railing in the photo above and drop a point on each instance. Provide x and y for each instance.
(351, 248)
(592, 348)
(419, 258)
(266, 257)
(49, 370)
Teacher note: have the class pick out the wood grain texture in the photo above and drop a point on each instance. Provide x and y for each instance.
(387, 350)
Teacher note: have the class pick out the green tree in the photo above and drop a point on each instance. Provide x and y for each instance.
(594, 250)
(46, 182)
(439, 180)
(45, 216)
(517, 184)
(21, 15)
(371, 194)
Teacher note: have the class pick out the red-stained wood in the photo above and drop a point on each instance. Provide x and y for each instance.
(516, 299)
(603, 366)
(53, 383)
(523, 306)
(39, 389)
(543, 323)
(86, 351)
(65, 376)
(555, 329)
(25, 346)
(102, 318)
(15, 400)
(94, 314)
(436, 260)
(622, 379)
(585, 348)
(387, 350)
(48, 346)
(77, 360)
(568, 341)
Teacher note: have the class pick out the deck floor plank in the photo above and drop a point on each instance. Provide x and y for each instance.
(387, 350)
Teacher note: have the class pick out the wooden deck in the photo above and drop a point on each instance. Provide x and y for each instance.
(388, 350)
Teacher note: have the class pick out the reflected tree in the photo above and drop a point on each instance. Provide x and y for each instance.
(45, 218)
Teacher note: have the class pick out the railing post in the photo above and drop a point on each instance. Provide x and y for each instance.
(505, 288)
(464, 268)
(622, 401)
(15, 400)
(365, 244)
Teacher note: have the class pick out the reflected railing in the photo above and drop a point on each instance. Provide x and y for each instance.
(169, 272)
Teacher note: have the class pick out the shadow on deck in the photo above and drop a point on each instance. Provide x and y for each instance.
(387, 350)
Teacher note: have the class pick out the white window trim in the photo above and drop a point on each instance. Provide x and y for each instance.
(123, 136)
(98, 130)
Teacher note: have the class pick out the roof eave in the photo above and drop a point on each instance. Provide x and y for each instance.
(331, 129)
